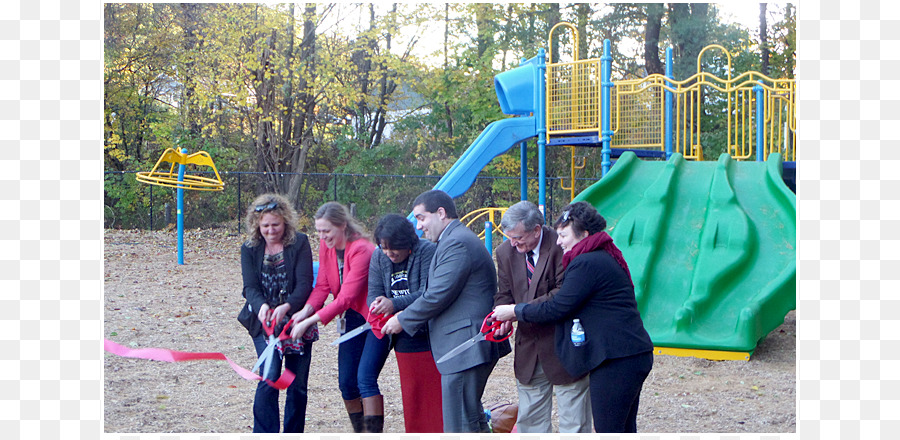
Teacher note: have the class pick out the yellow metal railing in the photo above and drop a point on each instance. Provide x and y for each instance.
(637, 107)
(639, 103)
(492, 215)
(573, 92)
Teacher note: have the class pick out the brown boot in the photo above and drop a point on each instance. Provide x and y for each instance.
(355, 411)
(373, 408)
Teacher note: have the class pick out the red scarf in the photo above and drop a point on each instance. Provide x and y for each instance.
(599, 240)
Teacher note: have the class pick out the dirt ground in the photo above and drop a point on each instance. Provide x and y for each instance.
(151, 301)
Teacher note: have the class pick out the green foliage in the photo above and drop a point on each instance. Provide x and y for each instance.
(366, 89)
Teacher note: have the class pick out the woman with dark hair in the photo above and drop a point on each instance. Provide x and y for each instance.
(397, 277)
(597, 291)
(276, 266)
(344, 255)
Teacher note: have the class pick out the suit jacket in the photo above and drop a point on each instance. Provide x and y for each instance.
(597, 291)
(297, 260)
(458, 296)
(417, 265)
(534, 342)
(351, 294)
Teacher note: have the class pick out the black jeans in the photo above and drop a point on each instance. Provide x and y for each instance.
(615, 392)
(265, 402)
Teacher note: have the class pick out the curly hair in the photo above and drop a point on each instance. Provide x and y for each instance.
(396, 232)
(583, 217)
(270, 203)
(338, 215)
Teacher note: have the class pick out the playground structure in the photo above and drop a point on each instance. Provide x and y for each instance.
(711, 244)
(181, 180)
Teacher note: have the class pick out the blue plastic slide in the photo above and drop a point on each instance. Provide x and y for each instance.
(497, 138)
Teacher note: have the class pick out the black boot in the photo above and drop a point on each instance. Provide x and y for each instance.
(356, 419)
(355, 411)
(373, 408)
(374, 423)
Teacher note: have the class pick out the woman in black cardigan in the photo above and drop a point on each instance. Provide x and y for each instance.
(276, 266)
(597, 289)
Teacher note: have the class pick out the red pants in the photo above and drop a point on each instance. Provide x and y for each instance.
(420, 386)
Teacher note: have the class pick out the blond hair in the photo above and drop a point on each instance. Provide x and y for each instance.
(281, 207)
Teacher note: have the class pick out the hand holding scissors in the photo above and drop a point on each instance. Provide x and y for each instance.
(268, 355)
(489, 330)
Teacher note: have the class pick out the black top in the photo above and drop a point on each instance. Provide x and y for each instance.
(598, 292)
(298, 275)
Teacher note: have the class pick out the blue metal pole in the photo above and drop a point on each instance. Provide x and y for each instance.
(180, 213)
(523, 147)
(605, 86)
(488, 237)
(760, 119)
(541, 121)
(669, 127)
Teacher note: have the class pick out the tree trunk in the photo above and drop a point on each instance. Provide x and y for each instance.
(583, 15)
(651, 39)
(190, 16)
(763, 40)
(286, 116)
(446, 63)
(553, 18)
(484, 24)
(306, 118)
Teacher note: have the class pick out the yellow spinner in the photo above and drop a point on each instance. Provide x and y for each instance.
(170, 178)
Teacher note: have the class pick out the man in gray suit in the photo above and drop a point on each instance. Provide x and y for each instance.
(458, 296)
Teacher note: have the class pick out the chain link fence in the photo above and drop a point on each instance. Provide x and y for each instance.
(129, 204)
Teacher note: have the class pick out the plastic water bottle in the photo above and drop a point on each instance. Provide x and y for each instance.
(577, 333)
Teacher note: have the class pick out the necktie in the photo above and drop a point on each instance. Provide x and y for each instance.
(529, 265)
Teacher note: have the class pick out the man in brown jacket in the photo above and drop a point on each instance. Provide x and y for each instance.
(530, 270)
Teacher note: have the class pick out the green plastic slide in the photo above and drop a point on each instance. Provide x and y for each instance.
(711, 246)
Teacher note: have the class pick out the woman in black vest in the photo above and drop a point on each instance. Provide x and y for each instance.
(276, 265)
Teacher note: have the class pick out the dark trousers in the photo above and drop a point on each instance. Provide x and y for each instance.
(615, 392)
(265, 402)
(461, 399)
(360, 360)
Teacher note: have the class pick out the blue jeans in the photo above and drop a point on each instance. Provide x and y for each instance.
(265, 402)
(360, 360)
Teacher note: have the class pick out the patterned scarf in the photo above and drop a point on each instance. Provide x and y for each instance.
(600, 240)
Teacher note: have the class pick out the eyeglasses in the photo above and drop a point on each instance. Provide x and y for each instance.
(261, 208)
(565, 217)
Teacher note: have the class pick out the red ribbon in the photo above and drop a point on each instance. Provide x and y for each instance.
(378, 322)
(162, 354)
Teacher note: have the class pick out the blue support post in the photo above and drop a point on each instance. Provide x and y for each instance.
(669, 98)
(760, 119)
(523, 147)
(489, 237)
(541, 121)
(180, 214)
(605, 87)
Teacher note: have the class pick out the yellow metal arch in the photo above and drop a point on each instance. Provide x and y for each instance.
(492, 215)
(170, 178)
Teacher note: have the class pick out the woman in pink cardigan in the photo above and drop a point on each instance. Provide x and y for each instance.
(344, 255)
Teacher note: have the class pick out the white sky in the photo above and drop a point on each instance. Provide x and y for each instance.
(731, 11)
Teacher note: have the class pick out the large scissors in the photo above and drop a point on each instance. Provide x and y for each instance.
(488, 333)
(268, 354)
